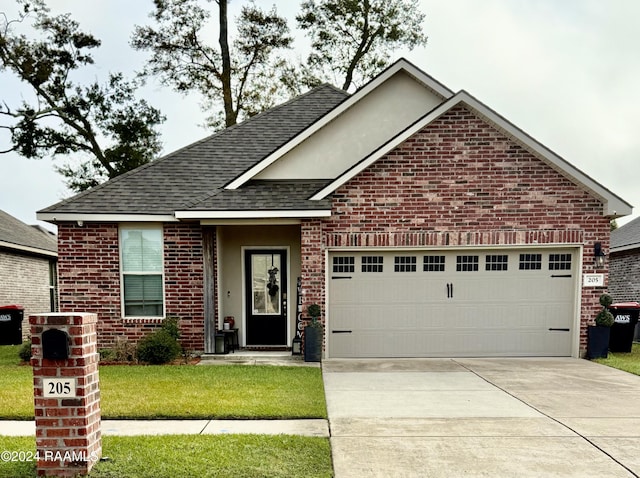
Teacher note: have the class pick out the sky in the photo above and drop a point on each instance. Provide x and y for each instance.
(566, 72)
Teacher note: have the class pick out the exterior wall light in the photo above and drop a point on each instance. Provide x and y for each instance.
(598, 255)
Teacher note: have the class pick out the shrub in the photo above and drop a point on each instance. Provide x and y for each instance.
(605, 300)
(170, 324)
(106, 355)
(604, 317)
(123, 351)
(25, 351)
(158, 347)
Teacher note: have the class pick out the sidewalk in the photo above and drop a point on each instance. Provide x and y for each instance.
(311, 427)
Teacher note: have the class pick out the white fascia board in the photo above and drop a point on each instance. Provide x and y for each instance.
(613, 205)
(628, 247)
(203, 215)
(32, 250)
(275, 221)
(63, 217)
(400, 65)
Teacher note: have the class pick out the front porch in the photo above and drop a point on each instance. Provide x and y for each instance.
(251, 273)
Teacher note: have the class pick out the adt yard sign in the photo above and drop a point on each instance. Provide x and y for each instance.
(59, 387)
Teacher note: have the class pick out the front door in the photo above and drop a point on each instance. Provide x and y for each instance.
(266, 296)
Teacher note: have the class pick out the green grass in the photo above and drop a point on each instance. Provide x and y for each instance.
(230, 391)
(629, 362)
(184, 391)
(194, 455)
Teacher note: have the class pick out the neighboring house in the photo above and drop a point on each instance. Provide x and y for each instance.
(28, 256)
(624, 271)
(423, 222)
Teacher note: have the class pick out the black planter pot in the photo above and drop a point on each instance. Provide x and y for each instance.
(312, 344)
(598, 341)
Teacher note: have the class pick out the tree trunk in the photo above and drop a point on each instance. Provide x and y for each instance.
(229, 113)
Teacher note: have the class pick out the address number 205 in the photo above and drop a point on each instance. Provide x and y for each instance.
(59, 387)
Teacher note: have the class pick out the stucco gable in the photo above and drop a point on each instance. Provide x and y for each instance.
(397, 97)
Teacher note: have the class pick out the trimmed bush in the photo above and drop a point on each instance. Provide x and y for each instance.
(122, 352)
(25, 351)
(604, 317)
(170, 325)
(158, 347)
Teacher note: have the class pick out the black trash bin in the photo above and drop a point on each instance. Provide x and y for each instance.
(11, 324)
(625, 316)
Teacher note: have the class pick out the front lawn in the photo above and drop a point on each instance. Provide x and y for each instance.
(181, 391)
(628, 362)
(194, 455)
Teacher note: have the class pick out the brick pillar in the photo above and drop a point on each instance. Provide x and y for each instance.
(66, 396)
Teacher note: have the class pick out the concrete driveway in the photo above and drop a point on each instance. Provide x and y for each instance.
(482, 417)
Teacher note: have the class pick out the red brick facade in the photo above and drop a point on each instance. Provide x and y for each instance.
(89, 280)
(459, 182)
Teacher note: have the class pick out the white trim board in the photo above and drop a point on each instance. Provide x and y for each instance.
(86, 217)
(203, 215)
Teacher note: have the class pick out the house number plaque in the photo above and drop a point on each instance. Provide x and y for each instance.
(593, 280)
(59, 387)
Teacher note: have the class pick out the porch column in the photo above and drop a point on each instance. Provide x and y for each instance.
(209, 252)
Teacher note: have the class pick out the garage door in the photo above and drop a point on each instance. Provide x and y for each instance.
(452, 304)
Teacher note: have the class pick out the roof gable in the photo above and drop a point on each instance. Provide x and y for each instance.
(614, 206)
(382, 108)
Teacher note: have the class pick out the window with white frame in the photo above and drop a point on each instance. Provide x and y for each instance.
(141, 265)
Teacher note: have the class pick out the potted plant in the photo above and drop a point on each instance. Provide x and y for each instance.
(313, 335)
(598, 334)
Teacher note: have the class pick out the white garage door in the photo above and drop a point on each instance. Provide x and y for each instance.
(452, 304)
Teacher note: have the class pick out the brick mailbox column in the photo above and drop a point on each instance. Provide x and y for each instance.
(66, 393)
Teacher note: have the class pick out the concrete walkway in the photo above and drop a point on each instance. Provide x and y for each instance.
(482, 417)
(314, 428)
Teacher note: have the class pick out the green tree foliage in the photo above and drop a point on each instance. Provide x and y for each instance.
(236, 79)
(112, 130)
(353, 39)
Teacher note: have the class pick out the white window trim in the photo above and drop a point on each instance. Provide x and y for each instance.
(152, 226)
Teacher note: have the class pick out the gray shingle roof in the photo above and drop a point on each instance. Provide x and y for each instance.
(265, 196)
(15, 232)
(198, 171)
(627, 236)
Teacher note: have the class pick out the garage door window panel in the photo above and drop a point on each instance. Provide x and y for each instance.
(496, 262)
(559, 262)
(467, 263)
(372, 264)
(433, 264)
(405, 264)
(530, 262)
(342, 264)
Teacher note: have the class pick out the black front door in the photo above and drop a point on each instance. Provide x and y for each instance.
(266, 296)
